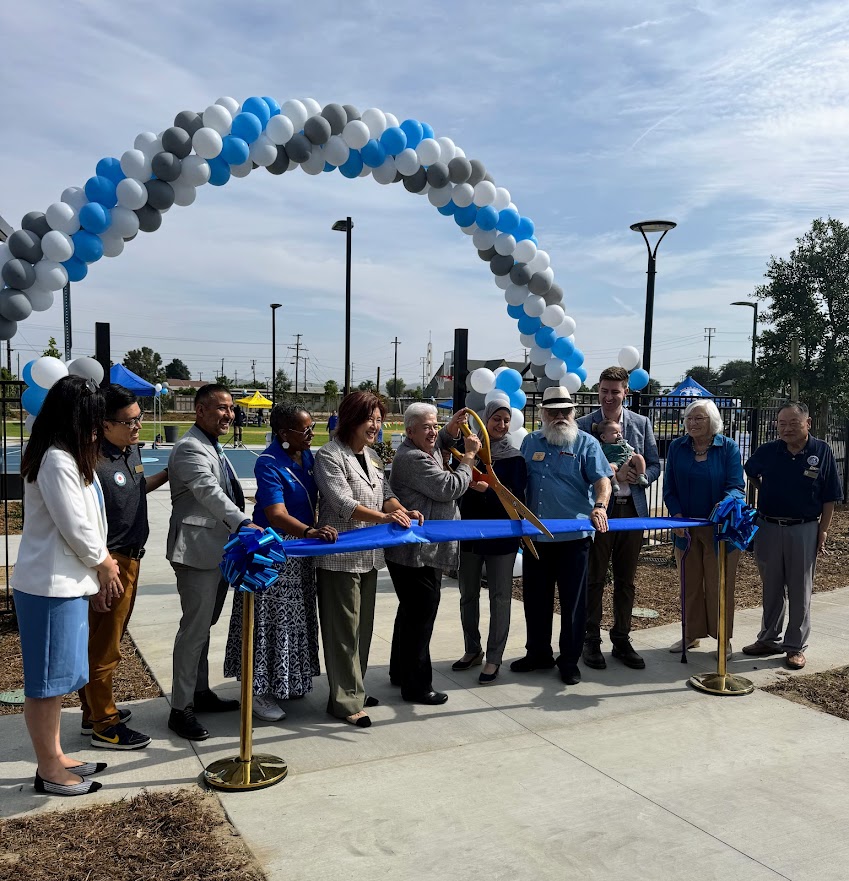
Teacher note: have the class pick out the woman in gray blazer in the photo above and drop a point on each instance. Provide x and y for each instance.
(353, 493)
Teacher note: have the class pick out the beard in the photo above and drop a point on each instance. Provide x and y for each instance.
(561, 434)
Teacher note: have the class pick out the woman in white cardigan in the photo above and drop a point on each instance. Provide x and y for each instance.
(62, 563)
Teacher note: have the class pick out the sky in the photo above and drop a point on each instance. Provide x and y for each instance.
(730, 119)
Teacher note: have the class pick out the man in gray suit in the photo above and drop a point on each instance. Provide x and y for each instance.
(207, 506)
(623, 547)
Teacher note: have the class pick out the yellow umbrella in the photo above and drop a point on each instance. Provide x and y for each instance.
(256, 400)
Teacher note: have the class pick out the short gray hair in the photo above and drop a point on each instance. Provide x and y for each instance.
(716, 424)
(417, 412)
(798, 406)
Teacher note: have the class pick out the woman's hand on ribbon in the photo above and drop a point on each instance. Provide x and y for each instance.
(325, 533)
(401, 518)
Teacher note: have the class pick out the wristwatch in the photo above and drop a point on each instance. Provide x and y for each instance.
(599, 505)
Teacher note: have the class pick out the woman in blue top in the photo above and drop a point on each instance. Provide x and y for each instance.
(285, 622)
(702, 468)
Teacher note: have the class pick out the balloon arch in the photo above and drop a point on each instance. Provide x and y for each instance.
(227, 140)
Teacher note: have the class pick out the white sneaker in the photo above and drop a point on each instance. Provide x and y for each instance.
(267, 709)
(676, 647)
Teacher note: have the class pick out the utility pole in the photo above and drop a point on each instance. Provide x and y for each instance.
(296, 360)
(222, 367)
(297, 348)
(396, 342)
(378, 380)
(253, 368)
(709, 333)
(423, 359)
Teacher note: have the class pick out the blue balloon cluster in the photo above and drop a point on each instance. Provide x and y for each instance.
(510, 382)
(735, 522)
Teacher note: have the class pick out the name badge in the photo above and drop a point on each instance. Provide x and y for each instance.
(139, 469)
(812, 473)
(538, 457)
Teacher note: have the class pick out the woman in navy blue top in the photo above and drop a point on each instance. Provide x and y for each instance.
(285, 622)
(702, 468)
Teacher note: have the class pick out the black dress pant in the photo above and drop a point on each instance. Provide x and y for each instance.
(563, 563)
(417, 589)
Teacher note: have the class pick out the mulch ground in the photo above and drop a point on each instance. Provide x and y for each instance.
(11, 518)
(827, 692)
(161, 836)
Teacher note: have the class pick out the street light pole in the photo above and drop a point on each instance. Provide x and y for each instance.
(274, 308)
(346, 226)
(754, 325)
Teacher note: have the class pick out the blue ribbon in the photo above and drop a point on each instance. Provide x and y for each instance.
(735, 522)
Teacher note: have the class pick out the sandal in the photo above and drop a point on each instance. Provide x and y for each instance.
(360, 721)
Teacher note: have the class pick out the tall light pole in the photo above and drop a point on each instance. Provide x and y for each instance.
(274, 308)
(346, 226)
(643, 227)
(754, 325)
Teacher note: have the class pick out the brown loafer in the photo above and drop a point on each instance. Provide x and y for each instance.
(795, 660)
(761, 649)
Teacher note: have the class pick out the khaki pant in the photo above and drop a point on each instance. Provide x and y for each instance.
(701, 584)
(105, 632)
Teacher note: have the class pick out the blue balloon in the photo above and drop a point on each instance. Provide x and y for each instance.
(545, 337)
(447, 210)
(352, 166)
(219, 171)
(524, 229)
(528, 324)
(575, 360)
(509, 381)
(427, 131)
(638, 379)
(465, 216)
(563, 348)
(26, 373)
(273, 106)
(329, 167)
(516, 312)
(95, 217)
(508, 220)
(374, 154)
(518, 399)
(246, 126)
(87, 246)
(412, 128)
(393, 140)
(259, 108)
(101, 189)
(32, 399)
(77, 270)
(110, 167)
(234, 151)
(487, 217)
(582, 372)
(535, 240)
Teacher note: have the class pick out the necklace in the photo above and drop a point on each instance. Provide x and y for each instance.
(698, 452)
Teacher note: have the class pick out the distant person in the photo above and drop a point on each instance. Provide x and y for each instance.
(332, 425)
(240, 420)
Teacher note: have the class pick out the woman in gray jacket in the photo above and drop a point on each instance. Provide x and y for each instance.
(420, 481)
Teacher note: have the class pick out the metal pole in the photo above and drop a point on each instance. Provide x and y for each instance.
(754, 336)
(348, 229)
(274, 308)
(66, 314)
(102, 349)
(396, 343)
(651, 272)
(461, 366)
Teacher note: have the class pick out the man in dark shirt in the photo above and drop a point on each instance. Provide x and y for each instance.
(125, 489)
(798, 486)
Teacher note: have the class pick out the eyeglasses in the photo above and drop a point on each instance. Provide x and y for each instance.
(429, 428)
(695, 418)
(310, 429)
(136, 421)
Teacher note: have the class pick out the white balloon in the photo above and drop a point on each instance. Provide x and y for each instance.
(391, 120)
(125, 223)
(194, 171)
(501, 200)
(244, 169)
(131, 193)
(524, 251)
(446, 149)
(484, 193)
(367, 171)
(484, 239)
(296, 111)
(428, 151)
(527, 340)
(469, 230)
(47, 370)
(62, 217)
(57, 245)
(538, 355)
(39, 299)
(146, 142)
(113, 246)
(482, 380)
(87, 368)
(516, 294)
(502, 281)
(184, 194)
(497, 395)
(629, 357)
(280, 129)
(463, 195)
(336, 151)
(572, 383)
(540, 261)
(263, 151)
(385, 173)
(50, 274)
(356, 134)
(136, 165)
(517, 419)
(75, 197)
(517, 436)
(231, 104)
(207, 143)
(441, 196)
(534, 306)
(29, 422)
(312, 106)
(555, 369)
(566, 327)
(218, 118)
(407, 162)
(504, 244)
(552, 316)
(459, 152)
(375, 120)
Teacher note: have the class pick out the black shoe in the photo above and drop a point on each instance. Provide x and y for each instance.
(86, 769)
(476, 661)
(395, 680)
(46, 787)
(119, 737)
(624, 651)
(185, 723)
(592, 655)
(431, 698)
(86, 728)
(571, 675)
(209, 702)
(527, 664)
(371, 701)
(486, 678)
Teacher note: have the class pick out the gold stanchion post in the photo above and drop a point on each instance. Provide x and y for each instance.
(722, 682)
(246, 771)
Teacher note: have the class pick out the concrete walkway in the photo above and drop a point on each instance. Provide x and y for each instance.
(630, 775)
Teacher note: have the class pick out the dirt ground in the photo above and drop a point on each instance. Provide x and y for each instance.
(828, 691)
(11, 518)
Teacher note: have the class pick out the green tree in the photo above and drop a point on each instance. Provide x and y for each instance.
(367, 385)
(52, 350)
(331, 394)
(395, 392)
(282, 384)
(416, 393)
(176, 369)
(146, 363)
(702, 375)
(6, 374)
(224, 380)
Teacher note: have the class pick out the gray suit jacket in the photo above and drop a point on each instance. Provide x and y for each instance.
(202, 514)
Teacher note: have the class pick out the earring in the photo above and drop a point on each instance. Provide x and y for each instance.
(285, 445)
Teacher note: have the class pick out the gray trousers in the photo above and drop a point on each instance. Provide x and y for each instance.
(202, 594)
(499, 582)
(346, 611)
(786, 558)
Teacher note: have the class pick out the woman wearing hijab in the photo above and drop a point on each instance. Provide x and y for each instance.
(498, 555)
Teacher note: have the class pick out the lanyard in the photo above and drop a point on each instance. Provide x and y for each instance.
(306, 491)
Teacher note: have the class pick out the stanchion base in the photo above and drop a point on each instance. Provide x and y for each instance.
(237, 776)
(714, 683)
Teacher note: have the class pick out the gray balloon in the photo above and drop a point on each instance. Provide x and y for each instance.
(299, 148)
(501, 264)
(7, 328)
(487, 254)
(25, 245)
(351, 112)
(18, 274)
(538, 369)
(14, 305)
(544, 382)
(437, 175)
(178, 141)
(189, 121)
(554, 295)
(317, 130)
(415, 183)
(475, 401)
(459, 169)
(166, 166)
(489, 177)
(36, 222)
(520, 274)
(539, 283)
(478, 172)
(281, 163)
(130, 238)
(149, 218)
(337, 117)
(160, 195)
(398, 177)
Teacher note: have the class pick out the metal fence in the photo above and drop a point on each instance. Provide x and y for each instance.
(11, 488)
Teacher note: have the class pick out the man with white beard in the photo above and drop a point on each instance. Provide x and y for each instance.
(568, 478)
